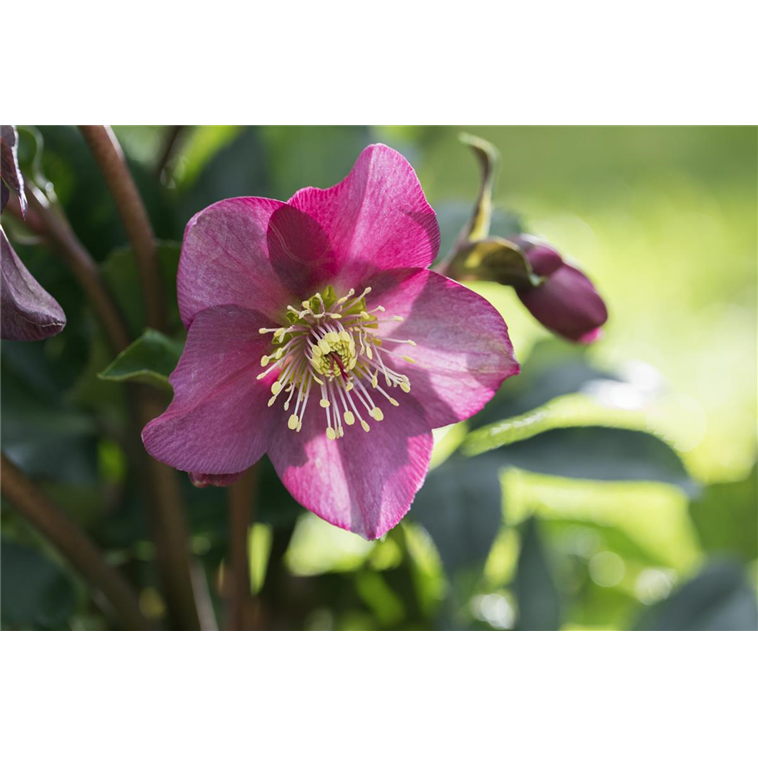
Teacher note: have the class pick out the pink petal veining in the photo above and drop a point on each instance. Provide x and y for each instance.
(217, 422)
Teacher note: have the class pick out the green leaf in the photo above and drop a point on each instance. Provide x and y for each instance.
(89, 206)
(726, 517)
(598, 453)
(718, 599)
(42, 432)
(148, 360)
(493, 259)
(318, 156)
(539, 601)
(239, 168)
(460, 505)
(122, 277)
(554, 368)
(36, 593)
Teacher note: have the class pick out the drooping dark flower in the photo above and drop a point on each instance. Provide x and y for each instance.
(27, 311)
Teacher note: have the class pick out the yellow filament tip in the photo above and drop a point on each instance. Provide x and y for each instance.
(293, 422)
(349, 418)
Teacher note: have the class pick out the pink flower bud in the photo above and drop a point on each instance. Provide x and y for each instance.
(566, 302)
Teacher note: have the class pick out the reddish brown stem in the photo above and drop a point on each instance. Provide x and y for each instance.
(73, 543)
(80, 262)
(161, 484)
(110, 159)
(241, 497)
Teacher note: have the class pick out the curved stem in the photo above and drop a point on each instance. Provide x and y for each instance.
(73, 543)
(110, 159)
(163, 497)
(81, 264)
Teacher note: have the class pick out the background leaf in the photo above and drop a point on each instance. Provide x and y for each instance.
(36, 593)
(717, 599)
(726, 518)
(539, 603)
(596, 452)
(148, 360)
(460, 506)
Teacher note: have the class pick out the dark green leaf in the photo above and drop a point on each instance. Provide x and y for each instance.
(718, 599)
(238, 169)
(726, 517)
(36, 593)
(553, 369)
(122, 277)
(89, 206)
(148, 360)
(304, 156)
(42, 433)
(539, 602)
(599, 453)
(460, 505)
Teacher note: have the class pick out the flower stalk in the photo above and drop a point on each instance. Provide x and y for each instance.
(81, 264)
(165, 507)
(74, 544)
(110, 159)
(241, 497)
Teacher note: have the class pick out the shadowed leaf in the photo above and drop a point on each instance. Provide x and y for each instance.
(538, 599)
(718, 599)
(36, 593)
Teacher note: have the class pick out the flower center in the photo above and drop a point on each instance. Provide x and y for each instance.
(330, 348)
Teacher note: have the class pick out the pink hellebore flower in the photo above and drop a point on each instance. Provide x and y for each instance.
(318, 336)
(566, 302)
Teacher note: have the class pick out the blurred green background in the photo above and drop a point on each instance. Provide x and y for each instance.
(626, 498)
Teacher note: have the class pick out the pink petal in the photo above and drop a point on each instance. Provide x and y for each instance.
(27, 311)
(226, 261)
(217, 422)
(363, 482)
(463, 352)
(377, 218)
(300, 252)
